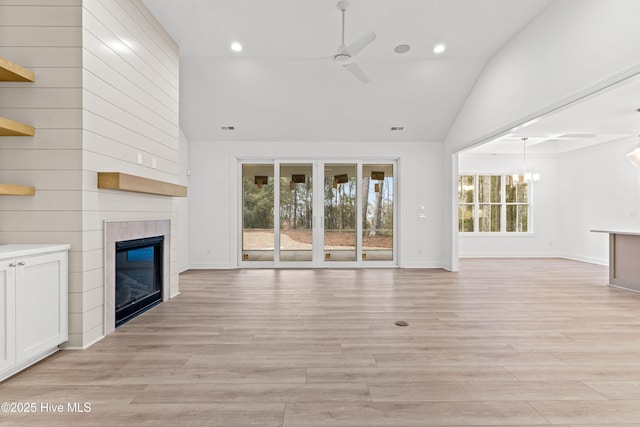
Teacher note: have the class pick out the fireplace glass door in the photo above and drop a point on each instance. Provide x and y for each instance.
(138, 277)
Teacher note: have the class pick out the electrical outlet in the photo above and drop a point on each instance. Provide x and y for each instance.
(139, 158)
(153, 162)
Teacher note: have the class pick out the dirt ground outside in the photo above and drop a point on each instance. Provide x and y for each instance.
(254, 239)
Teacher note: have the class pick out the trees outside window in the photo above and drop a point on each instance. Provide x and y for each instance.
(493, 203)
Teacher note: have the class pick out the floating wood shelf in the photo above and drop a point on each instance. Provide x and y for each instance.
(10, 128)
(16, 190)
(138, 184)
(10, 72)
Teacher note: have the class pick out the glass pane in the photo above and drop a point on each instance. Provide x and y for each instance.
(489, 188)
(465, 188)
(512, 218)
(516, 191)
(523, 218)
(340, 188)
(377, 210)
(257, 212)
(518, 218)
(489, 218)
(465, 218)
(523, 192)
(296, 214)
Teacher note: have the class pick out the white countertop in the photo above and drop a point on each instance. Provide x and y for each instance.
(628, 232)
(10, 251)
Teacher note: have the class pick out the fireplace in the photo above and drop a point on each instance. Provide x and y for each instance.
(138, 277)
(118, 232)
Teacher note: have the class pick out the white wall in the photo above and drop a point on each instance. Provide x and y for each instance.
(213, 193)
(545, 209)
(598, 189)
(572, 48)
(130, 101)
(183, 205)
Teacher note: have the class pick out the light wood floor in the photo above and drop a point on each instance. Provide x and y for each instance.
(503, 342)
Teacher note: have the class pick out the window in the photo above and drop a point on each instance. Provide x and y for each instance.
(489, 202)
(493, 203)
(466, 202)
(517, 205)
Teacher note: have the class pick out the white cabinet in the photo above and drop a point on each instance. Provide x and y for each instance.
(33, 300)
(8, 318)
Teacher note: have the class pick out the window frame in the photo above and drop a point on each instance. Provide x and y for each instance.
(504, 177)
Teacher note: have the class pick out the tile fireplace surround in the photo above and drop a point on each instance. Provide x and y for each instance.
(118, 231)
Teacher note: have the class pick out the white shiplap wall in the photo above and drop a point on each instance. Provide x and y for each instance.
(106, 89)
(46, 37)
(130, 108)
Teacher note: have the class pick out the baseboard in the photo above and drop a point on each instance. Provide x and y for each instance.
(83, 347)
(590, 260)
(509, 255)
(210, 266)
(432, 265)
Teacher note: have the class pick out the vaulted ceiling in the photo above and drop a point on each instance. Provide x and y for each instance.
(260, 93)
(611, 115)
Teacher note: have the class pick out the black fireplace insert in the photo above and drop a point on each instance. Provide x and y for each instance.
(138, 277)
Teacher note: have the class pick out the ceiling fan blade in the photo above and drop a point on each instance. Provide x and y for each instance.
(357, 72)
(361, 43)
(311, 60)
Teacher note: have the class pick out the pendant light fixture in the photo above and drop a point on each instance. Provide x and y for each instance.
(526, 176)
(634, 156)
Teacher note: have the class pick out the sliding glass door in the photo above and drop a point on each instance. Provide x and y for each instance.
(378, 204)
(340, 212)
(257, 213)
(320, 213)
(296, 212)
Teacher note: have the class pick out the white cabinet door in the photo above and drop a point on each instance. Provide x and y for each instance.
(41, 304)
(7, 315)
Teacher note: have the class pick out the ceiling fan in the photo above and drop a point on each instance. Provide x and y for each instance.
(345, 54)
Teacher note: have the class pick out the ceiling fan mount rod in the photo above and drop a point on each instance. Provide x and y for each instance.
(343, 6)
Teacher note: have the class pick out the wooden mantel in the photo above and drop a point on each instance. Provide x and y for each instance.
(16, 190)
(138, 184)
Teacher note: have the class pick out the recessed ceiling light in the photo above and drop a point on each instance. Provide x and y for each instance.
(236, 47)
(439, 48)
(402, 48)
